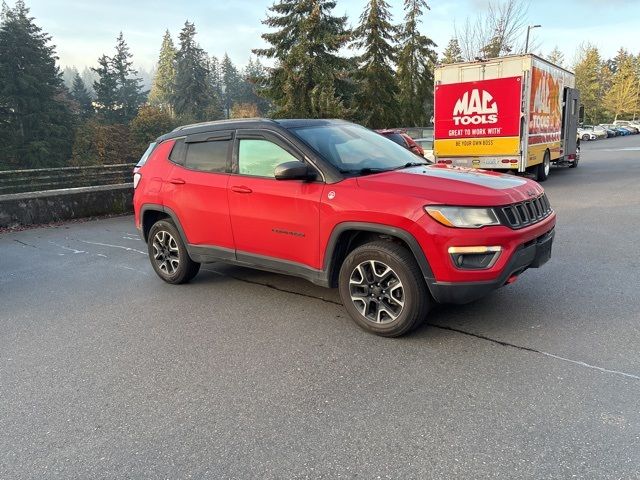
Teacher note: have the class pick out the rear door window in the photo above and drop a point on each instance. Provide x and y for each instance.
(208, 156)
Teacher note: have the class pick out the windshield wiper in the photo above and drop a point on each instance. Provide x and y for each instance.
(366, 170)
(411, 164)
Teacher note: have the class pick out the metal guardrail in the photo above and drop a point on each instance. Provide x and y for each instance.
(43, 179)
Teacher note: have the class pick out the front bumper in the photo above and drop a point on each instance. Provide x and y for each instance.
(532, 254)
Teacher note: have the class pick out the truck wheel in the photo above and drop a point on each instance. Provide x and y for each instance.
(383, 289)
(544, 168)
(574, 164)
(168, 254)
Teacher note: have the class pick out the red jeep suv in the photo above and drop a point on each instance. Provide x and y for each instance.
(339, 205)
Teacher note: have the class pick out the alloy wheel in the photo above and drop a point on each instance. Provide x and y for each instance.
(376, 291)
(165, 252)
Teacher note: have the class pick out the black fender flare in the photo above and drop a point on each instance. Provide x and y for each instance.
(156, 207)
(383, 229)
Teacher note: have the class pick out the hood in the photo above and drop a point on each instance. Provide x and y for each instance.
(444, 185)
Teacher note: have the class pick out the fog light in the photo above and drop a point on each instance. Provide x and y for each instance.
(474, 258)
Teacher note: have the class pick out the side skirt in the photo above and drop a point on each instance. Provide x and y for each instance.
(209, 254)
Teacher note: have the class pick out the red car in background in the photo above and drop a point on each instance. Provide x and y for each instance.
(402, 139)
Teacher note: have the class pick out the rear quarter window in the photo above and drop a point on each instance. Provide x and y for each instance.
(178, 152)
(147, 153)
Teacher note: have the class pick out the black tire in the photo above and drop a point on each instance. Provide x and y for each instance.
(543, 170)
(402, 304)
(574, 164)
(168, 254)
(585, 137)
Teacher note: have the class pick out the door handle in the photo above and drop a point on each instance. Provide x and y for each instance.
(177, 181)
(241, 189)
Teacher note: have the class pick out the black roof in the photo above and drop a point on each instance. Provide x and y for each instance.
(245, 123)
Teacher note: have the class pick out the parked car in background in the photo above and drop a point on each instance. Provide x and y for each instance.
(622, 130)
(427, 145)
(632, 128)
(419, 132)
(610, 132)
(628, 123)
(616, 129)
(401, 138)
(597, 130)
(586, 134)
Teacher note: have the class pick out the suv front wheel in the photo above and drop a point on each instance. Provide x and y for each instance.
(168, 254)
(383, 289)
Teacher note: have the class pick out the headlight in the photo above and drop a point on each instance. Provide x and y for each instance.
(463, 217)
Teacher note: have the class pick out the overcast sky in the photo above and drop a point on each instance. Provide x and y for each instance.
(82, 30)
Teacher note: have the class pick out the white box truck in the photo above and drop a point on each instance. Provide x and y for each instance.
(517, 113)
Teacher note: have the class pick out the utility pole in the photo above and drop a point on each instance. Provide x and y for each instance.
(529, 28)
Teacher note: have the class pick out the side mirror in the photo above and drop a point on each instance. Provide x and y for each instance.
(294, 171)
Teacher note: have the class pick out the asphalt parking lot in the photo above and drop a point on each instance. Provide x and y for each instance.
(107, 372)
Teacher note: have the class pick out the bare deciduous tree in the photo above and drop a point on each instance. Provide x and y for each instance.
(500, 30)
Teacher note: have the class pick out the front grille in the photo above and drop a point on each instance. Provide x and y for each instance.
(526, 213)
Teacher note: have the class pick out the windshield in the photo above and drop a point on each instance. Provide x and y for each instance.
(355, 149)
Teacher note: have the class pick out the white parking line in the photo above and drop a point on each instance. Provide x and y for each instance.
(113, 246)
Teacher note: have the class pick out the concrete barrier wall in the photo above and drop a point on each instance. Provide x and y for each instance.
(56, 205)
(36, 180)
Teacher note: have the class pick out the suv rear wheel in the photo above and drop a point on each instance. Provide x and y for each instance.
(383, 290)
(168, 254)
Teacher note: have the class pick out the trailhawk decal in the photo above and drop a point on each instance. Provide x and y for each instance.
(498, 181)
(486, 108)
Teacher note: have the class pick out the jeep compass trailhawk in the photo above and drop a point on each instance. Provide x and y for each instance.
(341, 206)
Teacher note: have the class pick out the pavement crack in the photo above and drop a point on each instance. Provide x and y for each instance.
(451, 329)
(273, 287)
(24, 243)
(540, 352)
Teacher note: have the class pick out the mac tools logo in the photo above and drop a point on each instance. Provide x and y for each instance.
(475, 108)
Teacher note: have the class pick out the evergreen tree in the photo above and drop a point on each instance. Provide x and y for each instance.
(556, 56)
(416, 61)
(452, 53)
(495, 47)
(376, 100)
(80, 94)
(129, 92)
(231, 84)
(105, 88)
(215, 76)
(254, 77)
(588, 75)
(193, 95)
(118, 90)
(89, 77)
(305, 47)
(164, 80)
(68, 74)
(35, 122)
